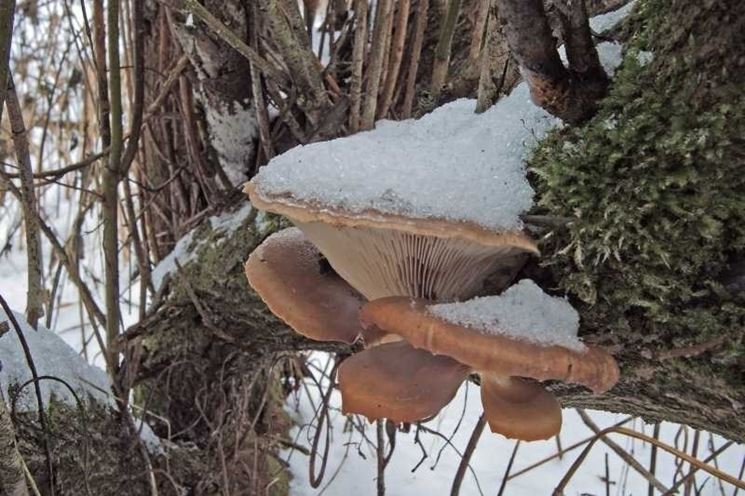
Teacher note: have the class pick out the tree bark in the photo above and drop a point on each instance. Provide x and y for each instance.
(12, 478)
(570, 94)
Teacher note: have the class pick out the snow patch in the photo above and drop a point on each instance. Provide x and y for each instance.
(609, 20)
(644, 57)
(522, 311)
(232, 129)
(452, 163)
(187, 247)
(52, 357)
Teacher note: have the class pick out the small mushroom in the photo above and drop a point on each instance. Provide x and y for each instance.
(514, 407)
(384, 254)
(286, 271)
(396, 381)
(518, 408)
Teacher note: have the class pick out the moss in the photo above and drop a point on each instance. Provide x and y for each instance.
(654, 185)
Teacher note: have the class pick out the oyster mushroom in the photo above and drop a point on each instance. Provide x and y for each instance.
(384, 254)
(393, 221)
(287, 272)
(396, 381)
(394, 212)
(506, 339)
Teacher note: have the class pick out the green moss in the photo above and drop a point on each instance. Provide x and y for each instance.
(656, 190)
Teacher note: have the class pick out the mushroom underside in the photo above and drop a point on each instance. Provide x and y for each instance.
(388, 262)
(398, 382)
(286, 271)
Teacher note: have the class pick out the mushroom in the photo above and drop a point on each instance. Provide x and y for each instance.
(396, 381)
(502, 353)
(287, 271)
(385, 254)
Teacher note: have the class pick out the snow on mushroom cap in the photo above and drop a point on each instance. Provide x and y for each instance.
(523, 311)
(452, 164)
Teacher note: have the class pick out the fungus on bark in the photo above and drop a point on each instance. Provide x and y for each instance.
(492, 336)
(287, 272)
(382, 254)
(395, 217)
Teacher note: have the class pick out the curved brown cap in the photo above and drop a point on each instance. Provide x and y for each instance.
(398, 382)
(304, 212)
(519, 409)
(286, 272)
(498, 354)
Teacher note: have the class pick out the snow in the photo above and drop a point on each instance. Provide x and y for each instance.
(233, 128)
(609, 20)
(644, 57)
(182, 253)
(52, 357)
(352, 465)
(522, 311)
(451, 163)
(187, 247)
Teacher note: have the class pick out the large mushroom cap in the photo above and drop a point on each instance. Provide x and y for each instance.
(519, 409)
(384, 254)
(286, 272)
(500, 354)
(398, 382)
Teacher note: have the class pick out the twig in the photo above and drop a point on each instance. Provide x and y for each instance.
(229, 37)
(30, 206)
(444, 45)
(625, 456)
(507, 470)
(690, 476)
(566, 450)
(638, 435)
(653, 459)
(380, 451)
(416, 51)
(358, 57)
(383, 23)
(467, 454)
(397, 52)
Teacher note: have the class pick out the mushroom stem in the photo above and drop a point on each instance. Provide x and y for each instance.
(518, 408)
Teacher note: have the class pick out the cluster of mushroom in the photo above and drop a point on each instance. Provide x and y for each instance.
(390, 279)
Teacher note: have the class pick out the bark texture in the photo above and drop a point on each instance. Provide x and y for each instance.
(570, 94)
(12, 478)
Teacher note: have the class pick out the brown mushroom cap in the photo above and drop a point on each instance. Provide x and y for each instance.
(519, 409)
(398, 382)
(497, 354)
(383, 254)
(286, 273)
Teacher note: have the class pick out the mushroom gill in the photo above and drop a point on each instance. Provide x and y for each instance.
(392, 255)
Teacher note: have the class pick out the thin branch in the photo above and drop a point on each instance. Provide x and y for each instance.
(467, 454)
(30, 206)
(383, 23)
(416, 51)
(229, 37)
(358, 58)
(443, 48)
